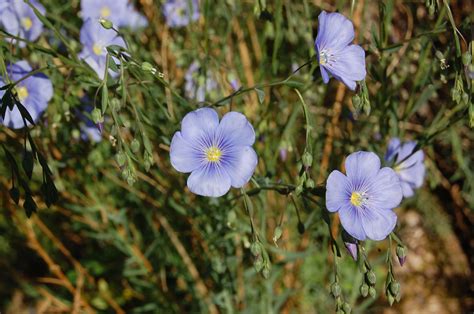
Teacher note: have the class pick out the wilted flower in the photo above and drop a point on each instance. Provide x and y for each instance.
(34, 93)
(19, 19)
(336, 55)
(95, 40)
(119, 12)
(180, 12)
(196, 84)
(218, 155)
(408, 164)
(365, 197)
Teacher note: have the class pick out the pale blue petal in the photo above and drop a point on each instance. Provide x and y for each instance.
(392, 148)
(240, 162)
(361, 168)
(385, 192)
(337, 191)
(39, 86)
(209, 180)
(405, 150)
(348, 65)
(335, 31)
(185, 156)
(235, 130)
(378, 224)
(324, 74)
(412, 170)
(199, 126)
(351, 221)
(407, 189)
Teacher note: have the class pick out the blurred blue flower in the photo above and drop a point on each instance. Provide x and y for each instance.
(365, 197)
(34, 93)
(407, 163)
(180, 13)
(95, 39)
(218, 155)
(196, 84)
(337, 57)
(119, 12)
(18, 19)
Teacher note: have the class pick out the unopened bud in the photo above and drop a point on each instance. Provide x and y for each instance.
(391, 299)
(121, 158)
(346, 308)
(307, 159)
(356, 101)
(96, 115)
(255, 249)
(401, 254)
(364, 290)
(106, 23)
(394, 288)
(336, 289)
(352, 249)
(277, 234)
(258, 263)
(372, 292)
(135, 145)
(309, 183)
(370, 275)
(283, 154)
(466, 58)
(147, 67)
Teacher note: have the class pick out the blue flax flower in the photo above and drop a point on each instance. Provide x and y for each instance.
(337, 57)
(95, 40)
(409, 167)
(196, 84)
(180, 13)
(19, 19)
(34, 93)
(119, 12)
(218, 154)
(365, 197)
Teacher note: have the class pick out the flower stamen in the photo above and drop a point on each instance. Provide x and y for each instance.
(357, 199)
(27, 23)
(213, 154)
(22, 93)
(97, 49)
(105, 12)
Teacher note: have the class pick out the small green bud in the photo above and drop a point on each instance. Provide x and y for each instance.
(439, 55)
(277, 233)
(394, 287)
(370, 276)
(299, 190)
(356, 101)
(106, 23)
(120, 158)
(364, 290)
(256, 249)
(391, 299)
(401, 254)
(135, 145)
(346, 308)
(336, 289)
(466, 58)
(266, 271)
(465, 98)
(258, 263)
(307, 159)
(96, 115)
(309, 183)
(372, 292)
(115, 104)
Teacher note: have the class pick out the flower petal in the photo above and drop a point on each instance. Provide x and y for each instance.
(209, 180)
(324, 74)
(335, 31)
(412, 170)
(378, 224)
(337, 191)
(405, 150)
(385, 192)
(407, 189)
(185, 157)
(349, 65)
(362, 167)
(392, 148)
(352, 222)
(199, 126)
(240, 165)
(235, 130)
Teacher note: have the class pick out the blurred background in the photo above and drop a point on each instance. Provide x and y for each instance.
(125, 234)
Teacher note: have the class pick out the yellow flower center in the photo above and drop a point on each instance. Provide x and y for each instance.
(213, 154)
(105, 12)
(357, 199)
(27, 23)
(22, 93)
(97, 49)
(323, 57)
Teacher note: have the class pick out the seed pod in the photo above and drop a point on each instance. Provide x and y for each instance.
(370, 276)
(394, 287)
(372, 292)
(364, 290)
(336, 289)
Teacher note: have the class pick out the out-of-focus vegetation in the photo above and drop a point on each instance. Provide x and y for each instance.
(127, 236)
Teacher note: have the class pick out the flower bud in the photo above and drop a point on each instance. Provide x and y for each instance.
(356, 101)
(309, 183)
(147, 67)
(401, 254)
(106, 23)
(352, 249)
(283, 154)
(258, 263)
(370, 276)
(135, 145)
(299, 190)
(96, 115)
(121, 158)
(255, 249)
(277, 234)
(391, 299)
(364, 290)
(466, 58)
(307, 159)
(372, 292)
(336, 289)
(394, 287)
(266, 271)
(346, 308)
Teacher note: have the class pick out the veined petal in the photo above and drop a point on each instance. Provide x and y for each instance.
(412, 170)
(199, 125)
(405, 150)
(39, 86)
(185, 156)
(324, 74)
(335, 31)
(385, 191)
(235, 130)
(351, 220)
(392, 148)
(209, 180)
(240, 163)
(348, 65)
(378, 224)
(407, 189)
(337, 191)
(361, 168)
